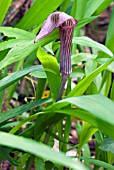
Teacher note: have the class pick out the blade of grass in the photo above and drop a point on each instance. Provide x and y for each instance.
(92, 6)
(14, 77)
(80, 88)
(103, 6)
(4, 5)
(97, 162)
(17, 33)
(38, 149)
(25, 49)
(38, 13)
(19, 110)
(77, 11)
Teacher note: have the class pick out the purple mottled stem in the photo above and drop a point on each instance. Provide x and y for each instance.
(63, 82)
(66, 33)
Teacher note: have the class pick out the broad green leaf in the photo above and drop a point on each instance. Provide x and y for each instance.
(51, 67)
(38, 12)
(97, 162)
(80, 88)
(98, 111)
(97, 114)
(38, 149)
(17, 33)
(48, 61)
(4, 5)
(19, 110)
(88, 117)
(107, 145)
(92, 6)
(14, 77)
(85, 41)
(20, 52)
(87, 131)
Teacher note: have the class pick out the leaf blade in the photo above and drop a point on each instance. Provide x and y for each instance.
(38, 149)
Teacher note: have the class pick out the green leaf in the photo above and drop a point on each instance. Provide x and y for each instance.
(51, 67)
(84, 21)
(54, 83)
(14, 77)
(90, 66)
(39, 164)
(92, 6)
(97, 162)
(20, 52)
(99, 109)
(65, 5)
(79, 57)
(17, 33)
(78, 9)
(107, 145)
(80, 88)
(22, 161)
(39, 74)
(77, 73)
(102, 7)
(85, 41)
(110, 32)
(4, 5)
(7, 156)
(38, 12)
(11, 43)
(21, 109)
(38, 149)
(87, 131)
(99, 114)
(112, 91)
(48, 61)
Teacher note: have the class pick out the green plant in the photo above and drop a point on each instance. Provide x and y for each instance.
(89, 103)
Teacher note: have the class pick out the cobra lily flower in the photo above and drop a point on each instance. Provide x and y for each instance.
(66, 25)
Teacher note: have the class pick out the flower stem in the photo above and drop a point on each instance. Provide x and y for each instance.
(63, 82)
